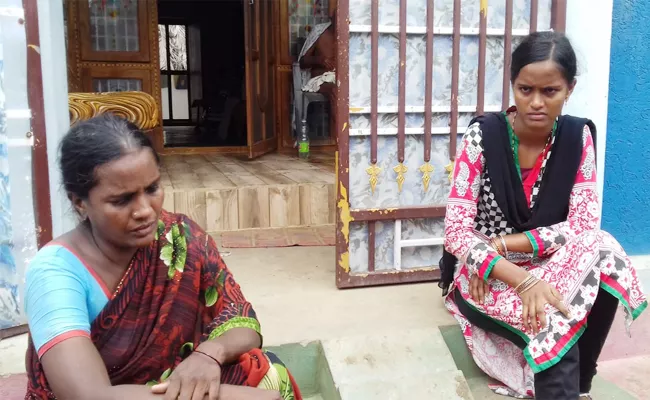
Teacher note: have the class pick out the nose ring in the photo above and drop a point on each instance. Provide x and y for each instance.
(136, 215)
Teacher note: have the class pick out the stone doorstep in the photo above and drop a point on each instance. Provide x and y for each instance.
(414, 364)
(444, 385)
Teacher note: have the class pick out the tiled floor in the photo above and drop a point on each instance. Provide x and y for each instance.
(229, 192)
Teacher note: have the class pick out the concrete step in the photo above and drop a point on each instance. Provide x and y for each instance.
(414, 364)
(445, 385)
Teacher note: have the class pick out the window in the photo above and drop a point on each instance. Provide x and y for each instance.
(174, 76)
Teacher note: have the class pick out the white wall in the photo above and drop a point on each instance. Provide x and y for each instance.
(55, 93)
(589, 27)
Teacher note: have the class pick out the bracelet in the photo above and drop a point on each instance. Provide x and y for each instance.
(505, 248)
(496, 246)
(523, 287)
(209, 356)
(529, 279)
(527, 288)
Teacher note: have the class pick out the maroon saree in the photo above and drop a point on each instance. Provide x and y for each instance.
(176, 294)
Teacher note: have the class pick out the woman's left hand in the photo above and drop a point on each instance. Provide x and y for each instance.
(193, 379)
(478, 289)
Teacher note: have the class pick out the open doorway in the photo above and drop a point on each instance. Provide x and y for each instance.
(220, 71)
(202, 73)
(208, 54)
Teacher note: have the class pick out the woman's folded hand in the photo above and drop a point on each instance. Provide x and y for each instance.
(534, 301)
(193, 379)
(478, 289)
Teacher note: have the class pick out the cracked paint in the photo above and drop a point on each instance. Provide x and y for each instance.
(484, 6)
(345, 217)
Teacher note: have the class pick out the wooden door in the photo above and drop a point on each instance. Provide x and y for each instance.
(260, 84)
(113, 47)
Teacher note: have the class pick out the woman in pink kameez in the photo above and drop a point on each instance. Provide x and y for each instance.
(530, 277)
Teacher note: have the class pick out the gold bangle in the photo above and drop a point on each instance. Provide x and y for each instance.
(524, 283)
(527, 288)
(496, 246)
(505, 247)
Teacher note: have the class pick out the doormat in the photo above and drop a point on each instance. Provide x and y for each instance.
(280, 237)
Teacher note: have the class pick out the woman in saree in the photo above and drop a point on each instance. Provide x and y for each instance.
(532, 281)
(136, 302)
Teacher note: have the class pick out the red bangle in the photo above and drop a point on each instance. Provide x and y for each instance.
(209, 356)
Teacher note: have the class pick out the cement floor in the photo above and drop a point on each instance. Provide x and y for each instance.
(293, 292)
(296, 299)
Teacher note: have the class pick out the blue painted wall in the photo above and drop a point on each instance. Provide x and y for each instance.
(626, 203)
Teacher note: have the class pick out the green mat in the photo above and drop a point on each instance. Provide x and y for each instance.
(478, 381)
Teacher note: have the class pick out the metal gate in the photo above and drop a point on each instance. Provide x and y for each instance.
(411, 75)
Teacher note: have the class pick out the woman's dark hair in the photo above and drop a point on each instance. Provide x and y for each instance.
(93, 143)
(544, 46)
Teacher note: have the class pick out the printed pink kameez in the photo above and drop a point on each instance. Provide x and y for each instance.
(574, 256)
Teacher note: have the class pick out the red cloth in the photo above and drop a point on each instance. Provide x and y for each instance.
(142, 331)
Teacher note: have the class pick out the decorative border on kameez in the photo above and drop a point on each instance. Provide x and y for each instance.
(505, 325)
(562, 347)
(567, 341)
(536, 242)
(612, 287)
(486, 266)
(236, 322)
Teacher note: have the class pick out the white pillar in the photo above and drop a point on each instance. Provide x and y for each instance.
(54, 63)
(589, 27)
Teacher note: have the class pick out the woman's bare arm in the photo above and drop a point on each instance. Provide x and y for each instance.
(508, 272)
(231, 345)
(518, 243)
(75, 370)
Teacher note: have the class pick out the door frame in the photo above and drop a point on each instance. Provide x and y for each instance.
(284, 82)
(40, 169)
(345, 215)
(253, 61)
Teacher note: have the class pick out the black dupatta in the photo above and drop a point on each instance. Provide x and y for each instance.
(552, 203)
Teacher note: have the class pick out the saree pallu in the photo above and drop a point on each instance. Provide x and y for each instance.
(176, 294)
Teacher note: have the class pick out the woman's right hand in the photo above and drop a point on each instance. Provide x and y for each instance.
(534, 301)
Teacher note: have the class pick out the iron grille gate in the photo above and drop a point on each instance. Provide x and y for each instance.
(395, 154)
